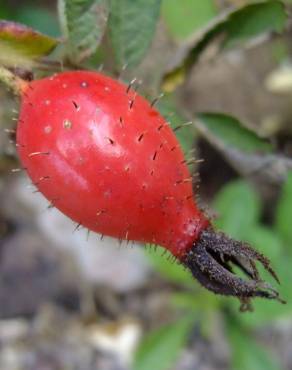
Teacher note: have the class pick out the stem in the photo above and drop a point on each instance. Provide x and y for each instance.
(13, 82)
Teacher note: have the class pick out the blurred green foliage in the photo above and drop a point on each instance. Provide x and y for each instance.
(185, 17)
(246, 353)
(230, 132)
(233, 28)
(161, 348)
(33, 14)
(129, 32)
(253, 20)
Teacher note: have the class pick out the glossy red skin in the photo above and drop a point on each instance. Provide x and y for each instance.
(113, 167)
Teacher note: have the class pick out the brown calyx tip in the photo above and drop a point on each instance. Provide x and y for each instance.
(211, 260)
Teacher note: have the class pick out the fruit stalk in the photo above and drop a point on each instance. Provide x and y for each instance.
(15, 84)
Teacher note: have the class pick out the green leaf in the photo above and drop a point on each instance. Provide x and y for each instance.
(284, 210)
(171, 270)
(83, 23)
(235, 26)
(22, 46)
(254, 20)
(38, 18)
(265, 241)
(242, 148)
(185, 135)
(160, 349)
(132, 26)
(228, 132)
(5, 10)
(186, 16)
(239, 209)
(247, 354)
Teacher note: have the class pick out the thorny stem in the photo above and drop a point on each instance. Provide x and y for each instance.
(210, 261)
(13, 82)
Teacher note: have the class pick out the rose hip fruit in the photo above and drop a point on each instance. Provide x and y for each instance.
(102, 155)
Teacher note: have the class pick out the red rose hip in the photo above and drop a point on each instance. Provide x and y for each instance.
(101, 154)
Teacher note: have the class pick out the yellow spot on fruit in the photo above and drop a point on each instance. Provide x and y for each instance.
(67, 124)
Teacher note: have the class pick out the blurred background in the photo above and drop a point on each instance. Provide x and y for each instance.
(72, 300)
